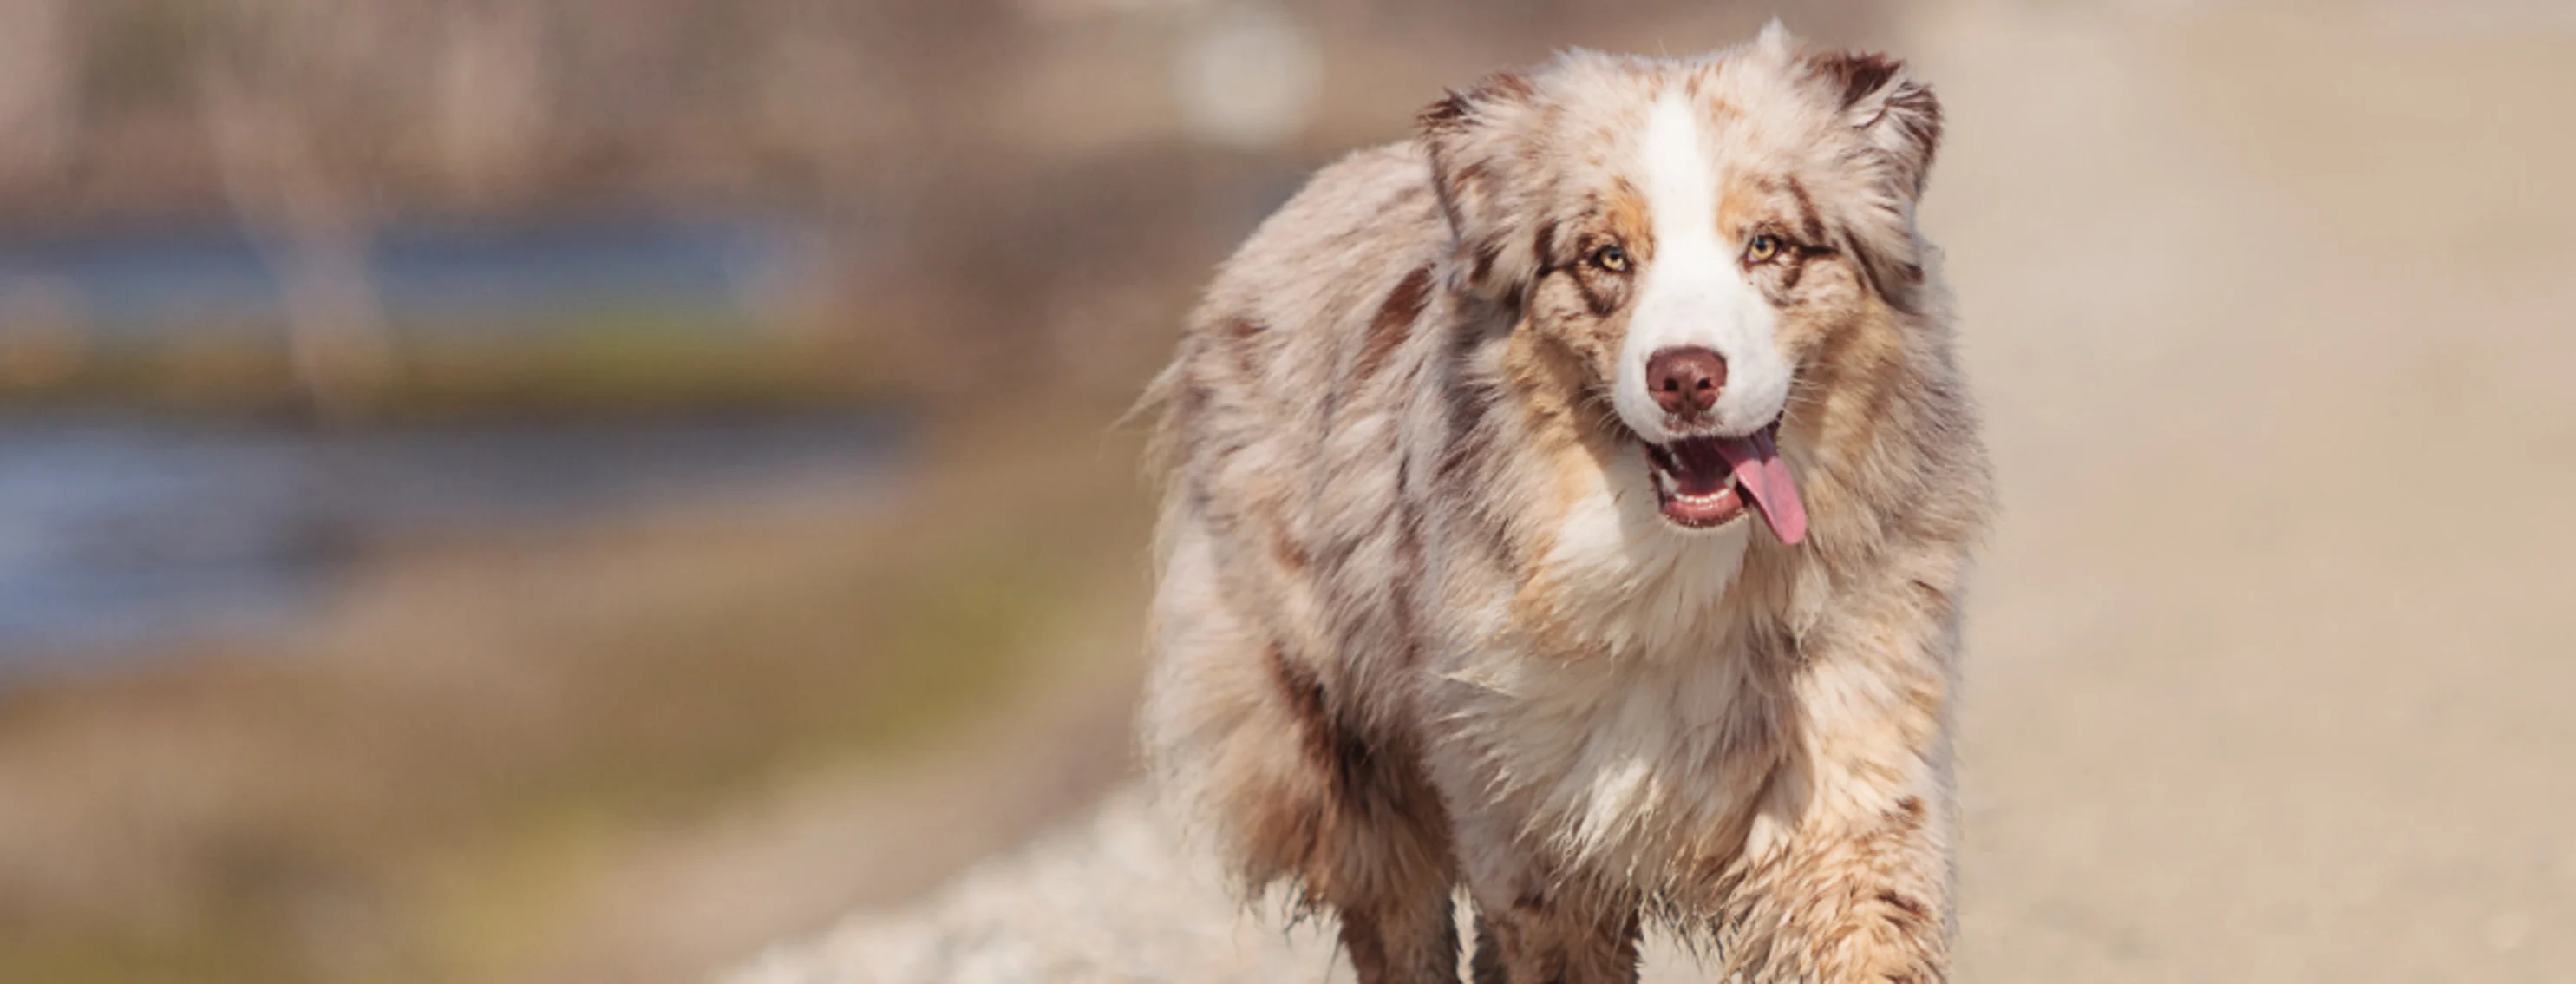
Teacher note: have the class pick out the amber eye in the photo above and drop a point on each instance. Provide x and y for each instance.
(1763, 247)
(1611, 258)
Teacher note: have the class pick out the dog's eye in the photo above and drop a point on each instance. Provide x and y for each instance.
(1763, 247)
(1611, 258)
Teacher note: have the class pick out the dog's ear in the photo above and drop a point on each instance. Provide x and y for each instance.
(1478, 141)
(1898, 122)
(1893, 111)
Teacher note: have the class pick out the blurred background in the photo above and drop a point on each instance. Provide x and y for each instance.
(583, 490)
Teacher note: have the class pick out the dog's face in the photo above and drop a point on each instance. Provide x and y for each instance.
(1687, 243)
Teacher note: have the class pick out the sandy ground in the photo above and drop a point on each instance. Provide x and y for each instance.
(2267, 680)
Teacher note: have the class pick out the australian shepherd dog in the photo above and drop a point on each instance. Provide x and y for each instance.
(1571, 505)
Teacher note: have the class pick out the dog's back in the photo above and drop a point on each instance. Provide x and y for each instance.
(1277, 713)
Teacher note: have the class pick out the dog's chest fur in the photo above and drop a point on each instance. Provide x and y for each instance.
(1624, 705)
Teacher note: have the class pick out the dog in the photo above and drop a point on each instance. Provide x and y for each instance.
(1572, 505)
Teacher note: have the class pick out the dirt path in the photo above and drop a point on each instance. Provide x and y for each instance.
(2268, 678)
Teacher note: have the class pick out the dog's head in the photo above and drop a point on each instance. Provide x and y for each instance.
(1682, 239)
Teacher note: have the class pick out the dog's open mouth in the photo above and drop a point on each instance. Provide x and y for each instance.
(1705, 482)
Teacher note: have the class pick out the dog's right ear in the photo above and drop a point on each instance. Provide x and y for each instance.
(1477, 141)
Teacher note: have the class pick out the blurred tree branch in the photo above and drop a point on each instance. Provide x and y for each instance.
(271, 79)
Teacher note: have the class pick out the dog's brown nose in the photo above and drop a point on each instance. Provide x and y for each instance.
(1685, 381)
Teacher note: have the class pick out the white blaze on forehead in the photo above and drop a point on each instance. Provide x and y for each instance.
(1681, 185)
(1693, 292)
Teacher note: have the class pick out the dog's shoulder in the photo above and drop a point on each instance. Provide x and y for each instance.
(1371, 216)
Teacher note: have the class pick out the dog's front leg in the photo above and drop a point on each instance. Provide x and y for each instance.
(1849, 861)
(1411, 940)
(1556, 941)
(1534, 926)
(1848, 903)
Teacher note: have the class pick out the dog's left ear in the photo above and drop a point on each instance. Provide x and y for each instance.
(1477, 140)
(1899, 125)
(1895, 113)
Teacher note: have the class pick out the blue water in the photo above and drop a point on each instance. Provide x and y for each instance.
(166, 281)
(117, 531)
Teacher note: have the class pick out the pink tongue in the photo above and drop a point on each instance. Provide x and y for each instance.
(1755, 461)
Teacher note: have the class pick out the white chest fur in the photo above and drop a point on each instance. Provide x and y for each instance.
(1614, 763)
(1623, 580)
(1653, 732)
